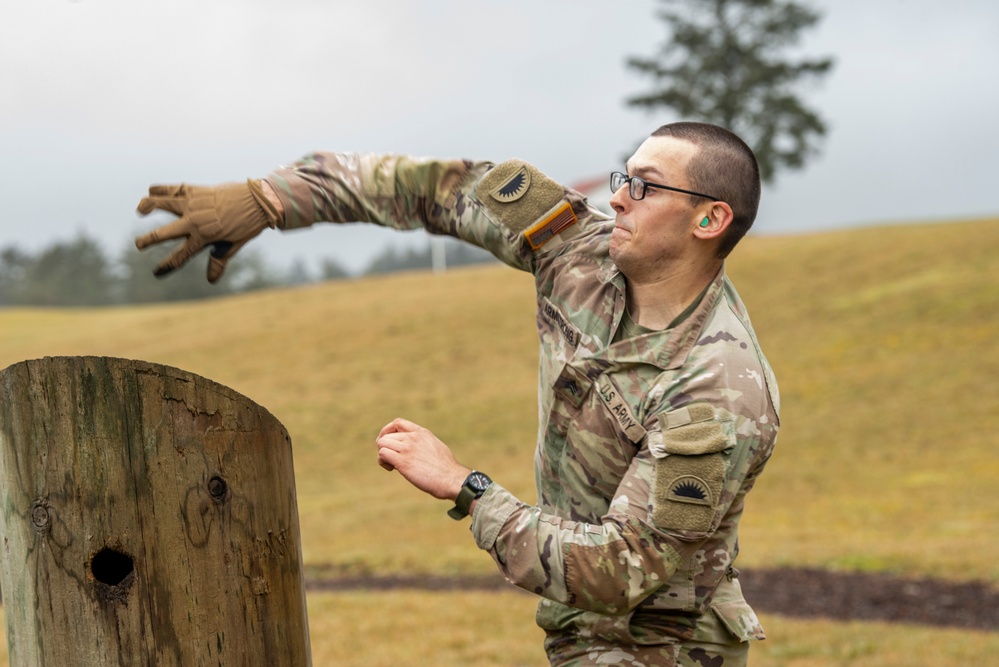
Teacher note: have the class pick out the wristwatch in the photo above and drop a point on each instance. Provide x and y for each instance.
(475, 485)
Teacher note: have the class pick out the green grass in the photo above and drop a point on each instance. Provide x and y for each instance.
(883, 340)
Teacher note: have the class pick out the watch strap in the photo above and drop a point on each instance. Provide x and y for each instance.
(463, 503)
(475, 485)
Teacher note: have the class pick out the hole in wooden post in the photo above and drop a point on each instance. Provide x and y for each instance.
(40, 515)
(111, 567)
(217, 488)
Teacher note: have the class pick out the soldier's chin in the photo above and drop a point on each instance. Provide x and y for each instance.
(618, 254)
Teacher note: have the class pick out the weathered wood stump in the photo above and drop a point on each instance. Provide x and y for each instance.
(148, 517)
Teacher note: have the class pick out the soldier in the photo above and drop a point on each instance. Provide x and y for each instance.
(658, 409)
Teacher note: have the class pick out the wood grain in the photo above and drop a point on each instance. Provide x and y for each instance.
(148, 517)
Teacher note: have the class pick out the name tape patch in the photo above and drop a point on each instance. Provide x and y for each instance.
(611, 397)
(554, 316)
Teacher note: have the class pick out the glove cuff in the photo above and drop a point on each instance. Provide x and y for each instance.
(274, 219)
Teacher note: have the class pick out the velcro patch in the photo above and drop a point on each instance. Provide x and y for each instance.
(517, 195)
(689, 431)
(686, 492)
(557, 220)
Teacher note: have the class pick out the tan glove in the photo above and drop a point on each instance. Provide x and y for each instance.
(224, 217)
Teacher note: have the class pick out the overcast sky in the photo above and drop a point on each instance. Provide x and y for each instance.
(100, 98)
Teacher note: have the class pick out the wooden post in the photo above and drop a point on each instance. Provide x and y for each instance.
(148, 517)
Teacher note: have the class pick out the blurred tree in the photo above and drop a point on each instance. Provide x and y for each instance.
(459, 253)
(392, 259)
(252, 272)
(298, 273)
(723, 63)
(76, 273)
(330, 269)
(13, 265)
(138, 285)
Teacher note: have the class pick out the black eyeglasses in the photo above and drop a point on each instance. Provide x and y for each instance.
(637, 187)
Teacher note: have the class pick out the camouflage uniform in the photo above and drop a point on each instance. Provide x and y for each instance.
(647, 444)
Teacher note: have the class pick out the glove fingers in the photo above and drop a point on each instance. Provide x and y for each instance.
(219, 257)
(169, 231)
(216, 267)
(169, 198)
(176, 259)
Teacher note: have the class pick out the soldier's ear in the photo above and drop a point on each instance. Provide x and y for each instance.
(713, 221)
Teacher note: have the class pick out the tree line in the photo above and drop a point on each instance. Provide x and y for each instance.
(81, 273)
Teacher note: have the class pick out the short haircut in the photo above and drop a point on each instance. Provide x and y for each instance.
(725, 167)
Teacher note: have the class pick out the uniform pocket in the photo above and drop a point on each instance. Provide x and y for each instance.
(690, 469)
(739, 619)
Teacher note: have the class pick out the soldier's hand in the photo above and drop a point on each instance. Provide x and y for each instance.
(420, 457)
(224, 217)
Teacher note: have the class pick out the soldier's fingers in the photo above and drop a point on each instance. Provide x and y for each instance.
(216, 267)
(177, 258)
(222, 252)
(173, 230)
(173, 205)
(383, 456)
(165, 197)
(398, 425)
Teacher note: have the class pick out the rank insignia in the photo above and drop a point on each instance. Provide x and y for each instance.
(514, 187)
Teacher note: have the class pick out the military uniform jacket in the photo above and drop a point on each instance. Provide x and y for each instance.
(646, 446)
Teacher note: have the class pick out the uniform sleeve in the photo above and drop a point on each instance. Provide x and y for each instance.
(608, 567)
(400, 192)
(694, 468)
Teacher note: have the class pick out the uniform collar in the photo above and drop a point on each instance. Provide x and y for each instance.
(673, 344)
(681, 338)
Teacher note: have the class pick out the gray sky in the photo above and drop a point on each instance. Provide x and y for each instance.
(100, 98)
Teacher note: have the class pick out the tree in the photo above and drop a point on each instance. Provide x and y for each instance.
(459, 253)
(13, 265)
(330, 269)
(137, 284)
(723, 63)
(64, 274)
(248, 271)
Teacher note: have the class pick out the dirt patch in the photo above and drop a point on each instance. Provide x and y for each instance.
(794, 592)
(813, 593)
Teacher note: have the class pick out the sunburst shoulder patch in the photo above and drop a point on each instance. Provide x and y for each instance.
(690, 489)
(514, 187)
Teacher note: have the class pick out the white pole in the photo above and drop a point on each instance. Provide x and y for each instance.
(438, 254)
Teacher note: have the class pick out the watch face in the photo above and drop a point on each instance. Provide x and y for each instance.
(478, 481)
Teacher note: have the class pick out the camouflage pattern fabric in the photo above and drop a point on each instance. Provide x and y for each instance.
(647, 445)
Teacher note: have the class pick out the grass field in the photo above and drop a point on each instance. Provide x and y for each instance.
(883, 340)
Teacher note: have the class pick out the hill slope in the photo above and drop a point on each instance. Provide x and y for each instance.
(883, 340)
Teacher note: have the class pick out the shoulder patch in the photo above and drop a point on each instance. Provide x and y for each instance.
(514, 187)
(686, 492)
(518, 197)
(557, 220)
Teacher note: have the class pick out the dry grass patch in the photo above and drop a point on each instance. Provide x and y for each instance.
(883, 340)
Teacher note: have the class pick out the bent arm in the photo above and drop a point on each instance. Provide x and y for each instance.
(650, 530)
